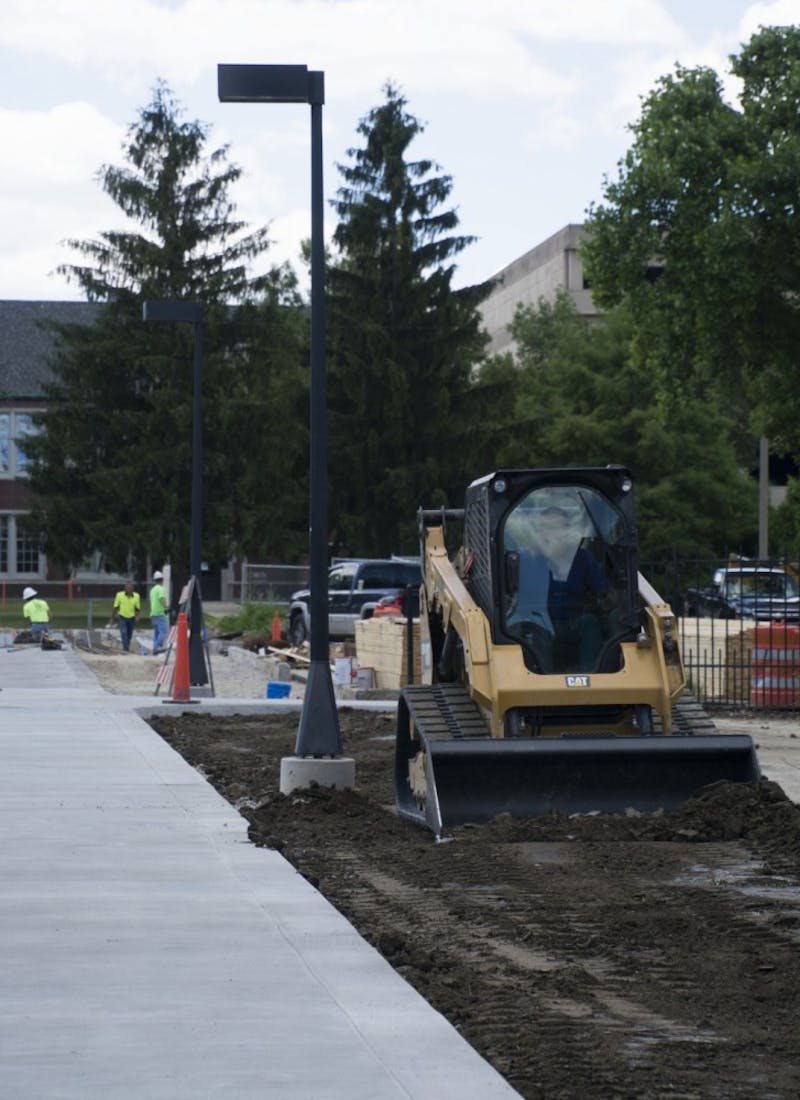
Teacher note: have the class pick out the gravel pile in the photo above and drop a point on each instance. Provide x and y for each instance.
(236, 672)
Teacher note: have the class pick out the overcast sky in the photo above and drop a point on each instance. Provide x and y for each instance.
(525, 104)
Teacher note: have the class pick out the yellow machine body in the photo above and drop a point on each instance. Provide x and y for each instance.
(500, 723)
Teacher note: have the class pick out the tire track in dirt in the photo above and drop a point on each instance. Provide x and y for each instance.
(519, 924)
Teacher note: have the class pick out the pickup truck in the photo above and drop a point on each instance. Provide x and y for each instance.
(355, 587)
(759, 592)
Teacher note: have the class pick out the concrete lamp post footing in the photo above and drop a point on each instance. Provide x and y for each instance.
(298, 772)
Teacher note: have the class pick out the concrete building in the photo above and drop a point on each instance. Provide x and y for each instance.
(551, 266)
(555, 265)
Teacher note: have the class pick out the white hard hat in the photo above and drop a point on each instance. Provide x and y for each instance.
(26, 595)
(158, 575)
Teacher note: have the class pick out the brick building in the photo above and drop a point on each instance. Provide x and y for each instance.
(26, 350)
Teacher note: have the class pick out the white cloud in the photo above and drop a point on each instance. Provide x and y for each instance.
(778, 13)
(614, 22)
(50, 192)
(510, 90)
(56, 148)
(286, 234)
(554, 130)
(466, 46)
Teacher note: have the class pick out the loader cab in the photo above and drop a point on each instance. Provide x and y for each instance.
(567, 587)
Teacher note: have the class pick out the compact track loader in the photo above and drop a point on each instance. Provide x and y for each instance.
(552, 673)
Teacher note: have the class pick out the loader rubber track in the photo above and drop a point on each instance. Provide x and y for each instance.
(688, 718)
(443, 711)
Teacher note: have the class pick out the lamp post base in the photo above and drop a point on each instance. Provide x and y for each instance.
(301, 771)
(318, 734)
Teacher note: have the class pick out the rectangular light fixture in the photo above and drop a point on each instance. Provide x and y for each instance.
(171, 311)
(263, 83)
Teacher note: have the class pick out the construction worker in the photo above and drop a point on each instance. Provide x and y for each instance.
(126, 613)
(158, 612)
(36, 610)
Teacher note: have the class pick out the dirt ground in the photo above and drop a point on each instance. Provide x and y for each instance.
(652, 957)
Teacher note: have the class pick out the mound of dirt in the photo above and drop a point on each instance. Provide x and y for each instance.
(648, 956)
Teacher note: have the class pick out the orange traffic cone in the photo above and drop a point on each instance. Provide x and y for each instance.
(276, 627)
(180, 681)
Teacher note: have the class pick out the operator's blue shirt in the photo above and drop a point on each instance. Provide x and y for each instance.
(540, 595)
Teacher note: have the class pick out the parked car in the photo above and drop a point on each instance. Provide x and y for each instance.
(355, 587)
(758, 592)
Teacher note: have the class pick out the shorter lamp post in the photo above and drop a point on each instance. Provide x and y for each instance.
(172, 310)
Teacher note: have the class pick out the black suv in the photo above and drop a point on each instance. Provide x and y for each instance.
(355, 586)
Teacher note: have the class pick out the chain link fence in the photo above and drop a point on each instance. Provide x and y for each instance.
(272, 583)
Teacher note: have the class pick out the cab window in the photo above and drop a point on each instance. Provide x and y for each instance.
(340, 578)
(564, 588)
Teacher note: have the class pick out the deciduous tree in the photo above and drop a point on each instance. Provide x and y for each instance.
(580, 400)
(700, 234)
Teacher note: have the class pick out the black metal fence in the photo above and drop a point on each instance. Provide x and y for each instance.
(735, 656)
(731, 661)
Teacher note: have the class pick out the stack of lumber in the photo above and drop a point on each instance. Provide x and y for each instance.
(293, 654)
(716, 657)
(381, 644)
(737, 665)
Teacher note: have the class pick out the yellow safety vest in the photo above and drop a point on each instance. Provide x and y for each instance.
(36, 610)
(128, 606)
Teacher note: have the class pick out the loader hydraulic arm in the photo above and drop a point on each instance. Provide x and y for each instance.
(446, 595)
(663, 632)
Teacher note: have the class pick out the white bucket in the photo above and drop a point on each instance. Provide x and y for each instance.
(365, 678)
(344, 670)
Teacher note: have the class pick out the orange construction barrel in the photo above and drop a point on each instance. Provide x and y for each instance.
(775, 665)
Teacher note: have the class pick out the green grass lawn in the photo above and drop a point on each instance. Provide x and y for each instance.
(79, 614)
(66, 614)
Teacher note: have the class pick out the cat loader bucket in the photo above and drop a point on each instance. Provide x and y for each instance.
(449, 772)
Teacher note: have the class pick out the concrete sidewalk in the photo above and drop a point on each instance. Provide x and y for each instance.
(148, 950)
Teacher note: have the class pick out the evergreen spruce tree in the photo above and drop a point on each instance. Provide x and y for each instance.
(402, 342)
(112, 461)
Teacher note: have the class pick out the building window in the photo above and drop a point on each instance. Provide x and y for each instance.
(14, 429)
(27, 553)
(23, 427)
(19, 553)
(5, 442)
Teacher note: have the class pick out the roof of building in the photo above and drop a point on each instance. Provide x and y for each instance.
(26, 345)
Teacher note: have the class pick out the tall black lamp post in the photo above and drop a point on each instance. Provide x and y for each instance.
(318, 735)
(192, 312)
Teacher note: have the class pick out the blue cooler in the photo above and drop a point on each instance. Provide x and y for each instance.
(276, 689)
